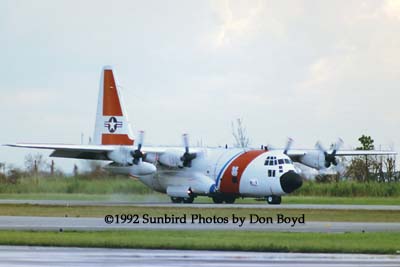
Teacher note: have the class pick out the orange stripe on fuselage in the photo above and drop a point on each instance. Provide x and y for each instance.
(230, 183)
(116, 139)
(111, 103)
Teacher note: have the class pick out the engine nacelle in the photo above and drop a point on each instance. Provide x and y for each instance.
(121, 156)
(314, 159)
(171, 158)
(178, 191)
(141, 169)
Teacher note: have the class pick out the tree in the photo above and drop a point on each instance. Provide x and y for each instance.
(390, 164)
(367, 168)
(367, 143)
(35, 163)
(240, 134)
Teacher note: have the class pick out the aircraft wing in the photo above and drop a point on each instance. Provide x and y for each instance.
(299, 153)
(296, 153)
(365, 153)
(97, 152)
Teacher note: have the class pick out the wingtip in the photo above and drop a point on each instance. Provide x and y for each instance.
(7, 144)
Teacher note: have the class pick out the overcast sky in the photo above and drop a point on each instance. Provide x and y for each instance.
(311, 70)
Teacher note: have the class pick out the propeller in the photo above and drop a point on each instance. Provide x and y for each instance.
(330, 158)
(138, 154)
(288, 145)
(187, 157)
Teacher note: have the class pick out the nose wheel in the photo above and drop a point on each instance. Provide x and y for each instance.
(274, 200)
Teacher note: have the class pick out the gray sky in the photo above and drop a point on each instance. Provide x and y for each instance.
(311, 70)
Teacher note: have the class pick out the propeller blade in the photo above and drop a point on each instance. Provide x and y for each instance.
(330, 158)
(187, 157)
(185, 139)
(288, 145)
(138, 154)
(319, 146)
(337, 146)
(140, 140)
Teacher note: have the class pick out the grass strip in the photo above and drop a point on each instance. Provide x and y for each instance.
(374, 243)
(158, 197)
(101, 211)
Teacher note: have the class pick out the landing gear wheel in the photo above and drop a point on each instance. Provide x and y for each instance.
(217, 199)
(188, 200)
(274, 200)
(230, 199)
(176, 199)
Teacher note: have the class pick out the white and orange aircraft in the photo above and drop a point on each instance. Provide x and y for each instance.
(185, 173)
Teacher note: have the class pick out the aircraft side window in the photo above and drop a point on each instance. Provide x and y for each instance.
(271, 173)
(280, 161)
(287, 161)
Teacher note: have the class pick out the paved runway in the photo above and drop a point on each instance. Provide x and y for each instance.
(200, 205)
(98, 224)
(15, 256)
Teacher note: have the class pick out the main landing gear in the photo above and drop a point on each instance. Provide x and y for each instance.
(274, 200)
(182, 199)
(227, 199)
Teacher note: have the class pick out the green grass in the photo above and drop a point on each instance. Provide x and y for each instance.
(151, 197)
(376, 243)
(101, 211)
(122, 185)
(290, 199)
(349, 189)
(75, 185)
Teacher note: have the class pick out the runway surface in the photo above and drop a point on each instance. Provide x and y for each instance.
(98, 224)
(15, 256)
(200, 205)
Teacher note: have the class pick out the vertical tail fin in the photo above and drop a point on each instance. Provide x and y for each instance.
(112, 123)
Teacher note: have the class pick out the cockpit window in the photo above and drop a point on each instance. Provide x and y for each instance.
(272, 161)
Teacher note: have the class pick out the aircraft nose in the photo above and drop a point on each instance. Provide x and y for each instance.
(290, 181)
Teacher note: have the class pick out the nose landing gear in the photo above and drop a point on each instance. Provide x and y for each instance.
(274, 200)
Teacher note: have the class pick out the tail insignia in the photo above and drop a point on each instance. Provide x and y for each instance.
(112, 124)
